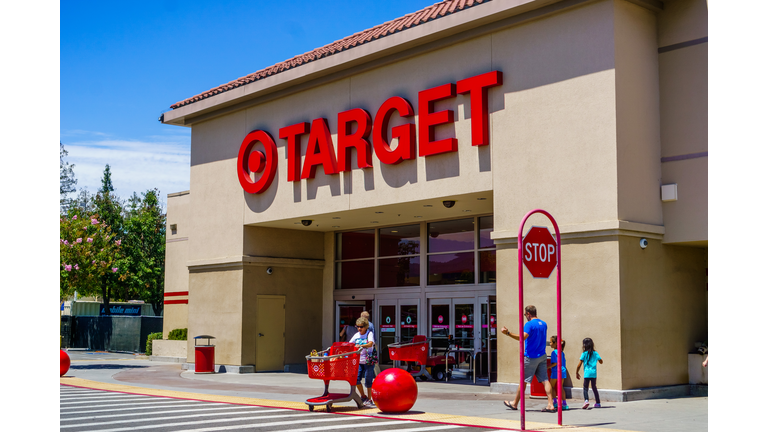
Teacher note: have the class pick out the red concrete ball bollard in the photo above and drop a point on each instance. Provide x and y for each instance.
(394, 391)
(64, 362)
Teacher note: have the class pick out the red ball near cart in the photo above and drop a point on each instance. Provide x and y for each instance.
(64, 362)
(394, 391)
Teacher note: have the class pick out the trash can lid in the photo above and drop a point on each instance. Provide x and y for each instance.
(204, 337)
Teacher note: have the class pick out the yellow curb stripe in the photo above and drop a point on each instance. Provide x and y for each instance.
(301, 406)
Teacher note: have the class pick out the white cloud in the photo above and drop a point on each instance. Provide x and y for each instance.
(136, 166)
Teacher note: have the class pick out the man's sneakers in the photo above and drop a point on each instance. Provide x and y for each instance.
(368, 403)
(586, 405)
(597, 405)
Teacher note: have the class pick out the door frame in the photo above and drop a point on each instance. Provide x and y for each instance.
(337, 314)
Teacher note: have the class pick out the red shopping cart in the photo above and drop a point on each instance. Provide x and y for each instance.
(417, 351)
(340, 364)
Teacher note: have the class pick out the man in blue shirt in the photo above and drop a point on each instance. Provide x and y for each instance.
(535, 356)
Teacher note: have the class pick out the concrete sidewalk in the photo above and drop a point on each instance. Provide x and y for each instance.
(454, 402)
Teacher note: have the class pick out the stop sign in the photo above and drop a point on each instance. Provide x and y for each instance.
(539, 252)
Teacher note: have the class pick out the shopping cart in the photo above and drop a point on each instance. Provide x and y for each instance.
(340, 364)
(417, 351)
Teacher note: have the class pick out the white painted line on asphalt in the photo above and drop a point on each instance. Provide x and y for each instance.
(162, 405)
(93, 395)
(79, 392)
(428, 428)
(148, 413)
(122, 405)
(111, 399)
(158, 419)
(307, 419)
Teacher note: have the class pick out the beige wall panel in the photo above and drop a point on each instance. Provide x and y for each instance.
(174, 317)
(590, 306)
(216, 309)
(176, 257)
(683, 79)
(682, 21)
(637, 114)
(686, 220)
(663, 311)
(282, 243)
(555, 128)
(302, 288)
(286, 199)
(217, 202)
(450, 174)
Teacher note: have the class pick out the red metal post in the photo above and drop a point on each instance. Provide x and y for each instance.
(520, 317)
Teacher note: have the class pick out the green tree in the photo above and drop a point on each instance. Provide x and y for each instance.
(88, 254)
(67, 180)
(108, 205)
(145, 251)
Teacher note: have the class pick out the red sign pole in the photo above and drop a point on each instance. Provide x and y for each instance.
(520, 253)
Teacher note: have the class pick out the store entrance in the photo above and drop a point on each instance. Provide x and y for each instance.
(457, 330)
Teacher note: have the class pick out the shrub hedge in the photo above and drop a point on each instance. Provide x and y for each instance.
(178, 334)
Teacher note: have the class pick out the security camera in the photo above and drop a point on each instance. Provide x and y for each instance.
(306, 222)
(643, 243)
(449, 203)
(269, 270)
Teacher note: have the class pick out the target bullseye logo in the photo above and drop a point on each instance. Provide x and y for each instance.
(463, 319)
(423, 348)
(391, 353)
(258, 162)
(354, 362)
(316, 368)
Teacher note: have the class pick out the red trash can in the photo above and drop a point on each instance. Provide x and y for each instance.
(537, 388)
(204, 355)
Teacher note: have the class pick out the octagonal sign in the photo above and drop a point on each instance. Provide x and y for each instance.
(539, 252)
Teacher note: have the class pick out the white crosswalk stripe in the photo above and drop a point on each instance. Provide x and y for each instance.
(196, 410)
(109, 398)
(122, 404)
(306, 419)
(174, 404)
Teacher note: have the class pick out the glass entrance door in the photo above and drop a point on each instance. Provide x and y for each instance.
(387, 332)
(398, 322)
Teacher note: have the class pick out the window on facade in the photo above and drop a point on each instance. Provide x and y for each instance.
(457, 252)
(451, 252)
(402, 245)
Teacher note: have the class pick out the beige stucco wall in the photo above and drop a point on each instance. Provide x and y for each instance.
(683, 77)
(663, 311)
(216, 309)
(176, 257)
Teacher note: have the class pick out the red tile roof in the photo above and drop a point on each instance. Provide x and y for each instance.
(429, 13)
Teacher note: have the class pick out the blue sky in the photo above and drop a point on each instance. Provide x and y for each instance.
(124, 63)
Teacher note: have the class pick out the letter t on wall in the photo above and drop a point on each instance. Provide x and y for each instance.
(293, 135)
(477, 87)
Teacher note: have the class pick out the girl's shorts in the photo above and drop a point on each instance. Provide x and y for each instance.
(367, 371)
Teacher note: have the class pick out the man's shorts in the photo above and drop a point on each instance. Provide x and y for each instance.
(536, 366)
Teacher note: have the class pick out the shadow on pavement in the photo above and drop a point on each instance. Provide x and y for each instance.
(107, 366)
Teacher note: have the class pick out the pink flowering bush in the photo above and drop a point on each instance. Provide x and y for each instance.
(87, 266)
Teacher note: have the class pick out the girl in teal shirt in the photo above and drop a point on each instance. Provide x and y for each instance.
(589, 358)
